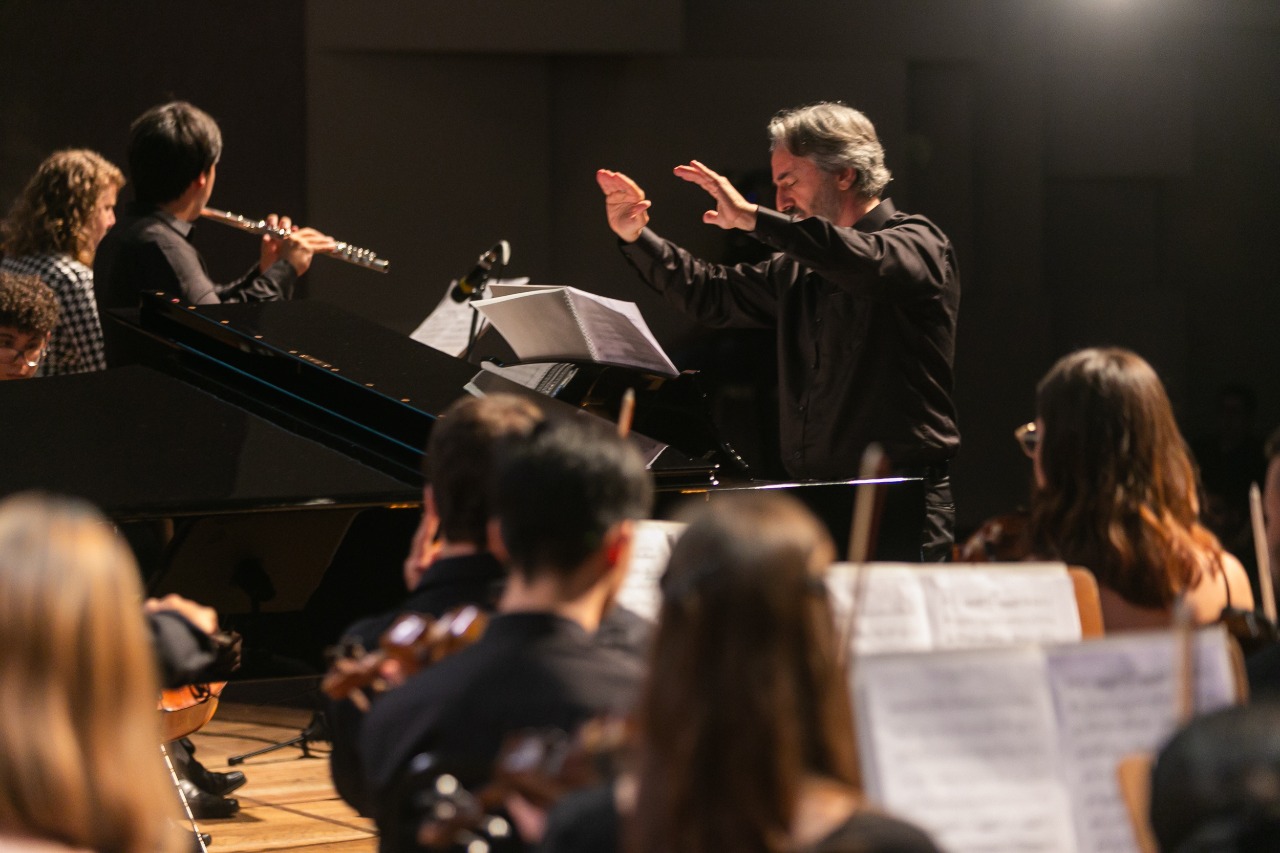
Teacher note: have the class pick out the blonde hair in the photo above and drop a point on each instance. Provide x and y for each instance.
(54, 213)
(80, 756)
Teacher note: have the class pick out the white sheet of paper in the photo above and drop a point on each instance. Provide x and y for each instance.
(1117, 697)
(448, 326)
(964, 744)
(649, 553)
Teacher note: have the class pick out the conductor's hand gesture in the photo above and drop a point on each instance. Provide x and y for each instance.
(732, 210)
(624, 204)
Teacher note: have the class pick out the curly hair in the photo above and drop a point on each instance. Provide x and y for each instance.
(53, 213)
(27, 304)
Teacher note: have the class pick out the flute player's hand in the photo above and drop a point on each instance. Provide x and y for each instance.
(298, 248)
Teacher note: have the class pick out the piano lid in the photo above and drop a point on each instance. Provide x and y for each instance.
(140, 444)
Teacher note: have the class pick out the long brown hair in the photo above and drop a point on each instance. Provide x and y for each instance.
(1119, 491)
(53, 213)
(746, 695)
(80, 756)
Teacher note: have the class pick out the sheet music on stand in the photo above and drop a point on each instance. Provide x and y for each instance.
(550, 323)
(448, 326)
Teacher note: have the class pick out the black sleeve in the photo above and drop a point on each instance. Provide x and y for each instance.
(186, 655)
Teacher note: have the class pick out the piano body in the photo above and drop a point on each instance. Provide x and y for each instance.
(265, 459)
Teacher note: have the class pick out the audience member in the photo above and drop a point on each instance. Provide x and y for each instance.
(564, 502)
(28, 315)
(53, 231)
(1215, 787)
(80, 764)
(745, 729)
(1116, 493)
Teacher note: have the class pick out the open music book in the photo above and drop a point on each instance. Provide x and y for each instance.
(903, 607)
(1015, 749)
(548, 323)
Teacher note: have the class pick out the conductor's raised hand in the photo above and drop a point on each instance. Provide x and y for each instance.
(732, 210)
(624, 204)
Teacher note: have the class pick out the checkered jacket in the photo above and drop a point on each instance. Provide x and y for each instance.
(76, 345)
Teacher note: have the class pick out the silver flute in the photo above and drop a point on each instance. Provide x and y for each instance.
(342, 251)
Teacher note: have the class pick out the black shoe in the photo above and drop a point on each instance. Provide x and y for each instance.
(205, 806)
(200, 841)
(211, 782)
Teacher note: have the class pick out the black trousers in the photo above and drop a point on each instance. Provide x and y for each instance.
(939, 531)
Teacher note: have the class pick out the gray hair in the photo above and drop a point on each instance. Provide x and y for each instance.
(834, 136)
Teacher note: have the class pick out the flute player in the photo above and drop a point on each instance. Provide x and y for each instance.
(173, 160)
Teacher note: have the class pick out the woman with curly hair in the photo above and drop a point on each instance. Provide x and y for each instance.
(80, 763)
(1116, 493)
(53, 231)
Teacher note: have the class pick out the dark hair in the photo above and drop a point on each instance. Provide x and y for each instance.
(1119, 492)
(460, 457)
(834, 136)
(557, 493)
(1216, 784)
(746, 692)
(27, 304)
(54, 211)
(169, 147)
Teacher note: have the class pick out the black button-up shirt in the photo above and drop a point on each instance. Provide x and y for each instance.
(866, 322)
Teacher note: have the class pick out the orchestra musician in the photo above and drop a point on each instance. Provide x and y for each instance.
(745, 728)
(173, 158)
(80, 745)
(53, 231)
(28, 315)
(564, 502)
(1115, 492)
(864, 300)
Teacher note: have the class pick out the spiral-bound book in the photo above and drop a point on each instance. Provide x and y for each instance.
(548, 323)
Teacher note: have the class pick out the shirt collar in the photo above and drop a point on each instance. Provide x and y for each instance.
(877, 217)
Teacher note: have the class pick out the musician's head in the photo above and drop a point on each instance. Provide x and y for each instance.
(80, 739)
(29, 313)
(1116, 487)
(459, 460)
(564, 501)
(746, 693)
(172, 147)
(66, 207)
(821, 153)
(1216, 784)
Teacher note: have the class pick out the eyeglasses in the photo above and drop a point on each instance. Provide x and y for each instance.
(1028, 438)
(25, 358)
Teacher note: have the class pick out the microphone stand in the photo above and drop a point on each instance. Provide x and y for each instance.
(316, 730)
(478, 293)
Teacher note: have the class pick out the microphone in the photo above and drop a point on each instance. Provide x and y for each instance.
(474, 280)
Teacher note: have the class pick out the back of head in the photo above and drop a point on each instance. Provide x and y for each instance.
(557, 493)
(746, 694)
(79, 746)
(460, 458)
(27, 304)
(169, 146)
(53, 213)
(1119, 490)
(834, 136)
(1215, 787)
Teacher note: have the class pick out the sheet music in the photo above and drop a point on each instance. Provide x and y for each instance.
(448, 326)
(1114, 698)
(964, 744)
(547, 379)
(547, 323)
(650, 551)
(907, 607)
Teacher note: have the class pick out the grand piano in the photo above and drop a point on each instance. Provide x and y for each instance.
(266, 459)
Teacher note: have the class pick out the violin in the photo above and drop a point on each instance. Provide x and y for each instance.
(541, 765)
(412, 643)
(186, 710)
(1001, 539)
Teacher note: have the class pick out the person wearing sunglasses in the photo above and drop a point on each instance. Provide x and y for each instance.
(1115, 492)
(28, 315)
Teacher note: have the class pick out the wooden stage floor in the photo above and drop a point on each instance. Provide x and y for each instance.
(288, 802)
